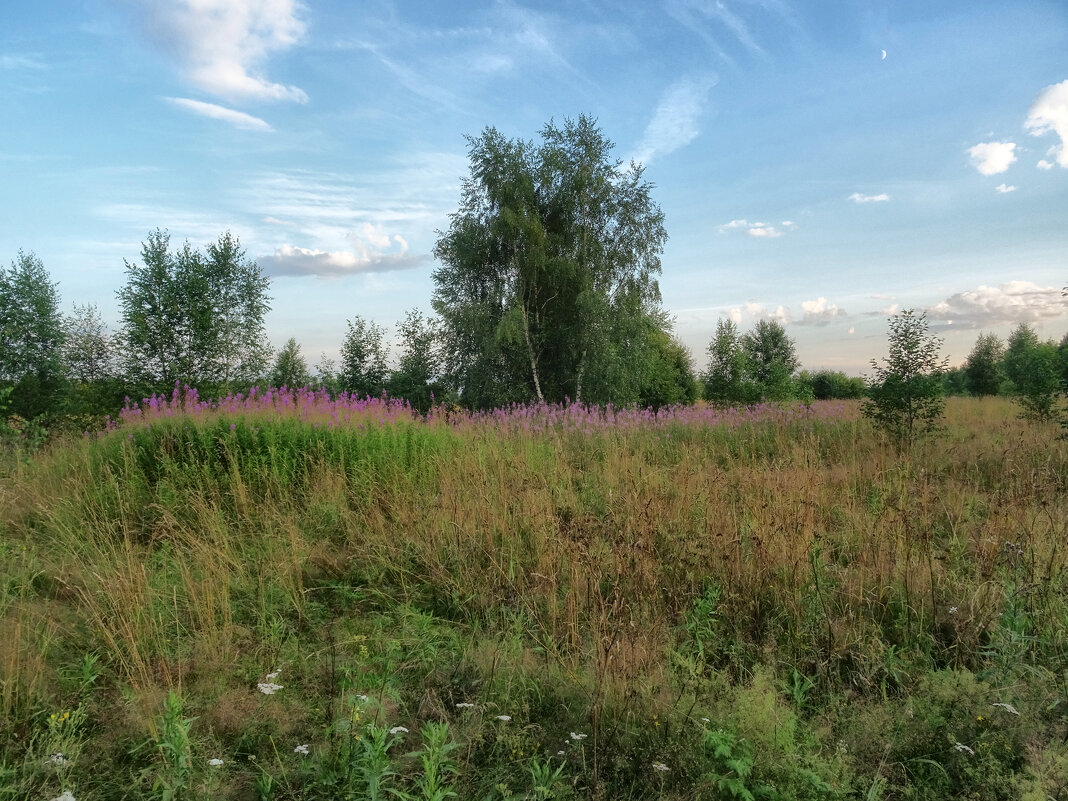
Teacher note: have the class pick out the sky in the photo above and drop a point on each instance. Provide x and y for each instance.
(826, 164)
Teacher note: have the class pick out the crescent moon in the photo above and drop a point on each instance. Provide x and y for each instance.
(884, 55)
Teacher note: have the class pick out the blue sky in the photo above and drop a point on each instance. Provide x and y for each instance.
(825, 163)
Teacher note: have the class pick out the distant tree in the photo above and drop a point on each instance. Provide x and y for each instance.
(771, 359)
(31, 337)
(193, 318)
(906, 395)
(326, 375)
(363, 370)
(88, 347)
(419, 366)
(237, 339)
(982, 372)
(955, 381)
(669, 374)
(1021, 343)
(1062, 352)
(547, 268)
(290, 370)
(726, 364)
(91, 364)
(1035, 373)
(832, 385)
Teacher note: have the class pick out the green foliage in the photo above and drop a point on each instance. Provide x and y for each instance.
(983, 372)
(748, 368)
(174, 751)
(416, 378)
(31, 337)
(771, 359)
(954, 381)
(290, 369)
(548, 271)
(193, 318)
(906, 394)
(832, 385)
(363, 369)
(669, 377)
(1035, 371)
(726, 365)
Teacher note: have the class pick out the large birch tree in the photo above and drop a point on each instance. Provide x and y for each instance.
(548, 271)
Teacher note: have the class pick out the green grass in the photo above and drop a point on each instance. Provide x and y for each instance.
(776, 610)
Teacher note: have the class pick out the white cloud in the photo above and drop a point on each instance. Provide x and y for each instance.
(1049, 112)
(857, 197)
(758, 311)
(991, 158)
(758, 229)
(238, 118)
(764, 231)
(1011, 302)
(819, 312)
(733, 224)
(889, 311)
(1005, 188)
(1044, 165)
(674, 123)
(297, 261)
(222, 44)
(852, 329)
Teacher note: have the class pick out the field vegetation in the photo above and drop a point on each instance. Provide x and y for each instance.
(288, 596)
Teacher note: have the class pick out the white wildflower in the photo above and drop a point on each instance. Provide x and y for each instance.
(273, 675)
(953, 610)
(1007, 707)
(67, 796)
(706, 720)
(965, 748)
(363, 698)
(505, 718)
(398, 730)
(268, 687)
(660, 766)
(561, 753)
(57, 759)
(215, 762)
(465, 705)
(301, 749)
(576, 736)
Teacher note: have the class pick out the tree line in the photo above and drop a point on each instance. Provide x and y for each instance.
(546, 292)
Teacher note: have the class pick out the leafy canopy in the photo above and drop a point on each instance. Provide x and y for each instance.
(547, 286)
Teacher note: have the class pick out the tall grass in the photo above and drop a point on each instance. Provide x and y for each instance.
(761, 601)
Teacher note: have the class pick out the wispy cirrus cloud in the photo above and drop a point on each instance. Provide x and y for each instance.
(675, 121)
(858, 197)
(710, 19)
(1011, 302)
(991, 158)
(1048, 113)
(238, 118)
(222, 45)
(13, 61)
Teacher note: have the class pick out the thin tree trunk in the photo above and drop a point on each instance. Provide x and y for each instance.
(578, 381)
(530, 353)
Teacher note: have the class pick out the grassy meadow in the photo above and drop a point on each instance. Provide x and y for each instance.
(287, 597)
